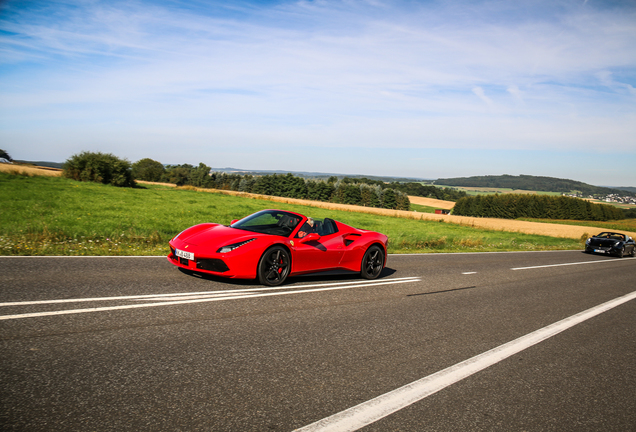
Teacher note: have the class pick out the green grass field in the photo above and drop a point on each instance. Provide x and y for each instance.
(422, 208)
(58, 216)
(491, 191)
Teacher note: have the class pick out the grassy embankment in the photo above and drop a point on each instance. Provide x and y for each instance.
(58, 216)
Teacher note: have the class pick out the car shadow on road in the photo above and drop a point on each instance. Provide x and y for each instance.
(212, 278)
(326, 276)
(335, 275)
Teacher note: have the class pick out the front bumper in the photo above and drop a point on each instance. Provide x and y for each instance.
(211, 265)
(604, 250)
(240, 263)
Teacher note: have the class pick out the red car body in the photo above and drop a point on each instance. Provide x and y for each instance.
(272, 244)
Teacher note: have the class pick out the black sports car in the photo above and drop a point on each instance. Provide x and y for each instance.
(611, 243)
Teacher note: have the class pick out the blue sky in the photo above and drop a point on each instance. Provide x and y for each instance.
(427, 89)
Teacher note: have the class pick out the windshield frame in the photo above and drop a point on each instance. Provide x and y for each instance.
(286, 223)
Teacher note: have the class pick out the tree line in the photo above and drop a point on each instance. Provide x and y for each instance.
(514, 206)
(109, 169)
(288, 186)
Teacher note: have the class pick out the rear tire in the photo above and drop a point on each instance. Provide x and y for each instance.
(372, 262)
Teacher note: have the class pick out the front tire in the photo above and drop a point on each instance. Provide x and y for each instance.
(372, 262)
(621, 252)
(274, 266)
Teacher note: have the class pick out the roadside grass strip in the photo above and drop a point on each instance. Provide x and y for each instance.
(193, 297)
(382, 406)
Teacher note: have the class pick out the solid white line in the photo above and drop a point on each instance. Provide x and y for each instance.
(198, 300)
(200, 293)
(564, 264)
(375, 409)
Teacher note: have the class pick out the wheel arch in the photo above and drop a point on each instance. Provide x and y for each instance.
(284, 246)
(376, 243)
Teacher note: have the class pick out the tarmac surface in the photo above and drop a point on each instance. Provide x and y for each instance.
(133, 343)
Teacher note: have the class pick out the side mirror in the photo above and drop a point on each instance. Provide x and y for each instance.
(234, 221)
(310, 237)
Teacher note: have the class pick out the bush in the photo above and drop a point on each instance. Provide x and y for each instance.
(100, 168)
(148, 170)
(4, 155)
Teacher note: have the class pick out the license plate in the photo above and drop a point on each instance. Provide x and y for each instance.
(184, 254)
(599, 251)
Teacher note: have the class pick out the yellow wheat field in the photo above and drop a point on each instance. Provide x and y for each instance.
(155, 183)
(432, 202)
(30, 170)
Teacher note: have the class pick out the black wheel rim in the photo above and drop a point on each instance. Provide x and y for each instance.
(374, 261)
(276, 266)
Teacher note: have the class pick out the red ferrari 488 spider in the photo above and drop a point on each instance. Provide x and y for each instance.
(273, 244)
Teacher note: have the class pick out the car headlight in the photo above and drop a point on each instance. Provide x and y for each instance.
(231, 247)
(617, 244)
(587, 242)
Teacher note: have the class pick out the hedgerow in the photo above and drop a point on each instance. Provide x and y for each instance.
(514, 206)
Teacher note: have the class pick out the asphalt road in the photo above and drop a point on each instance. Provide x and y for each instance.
(151, 348)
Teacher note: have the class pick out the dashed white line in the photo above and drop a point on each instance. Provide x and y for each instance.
(375, 409)
(564, 264)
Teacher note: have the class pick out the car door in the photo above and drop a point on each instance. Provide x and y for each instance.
(323, 253)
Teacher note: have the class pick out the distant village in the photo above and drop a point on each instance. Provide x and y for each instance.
(610, 198)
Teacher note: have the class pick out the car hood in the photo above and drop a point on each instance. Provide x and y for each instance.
(216, 234)
(595, 241)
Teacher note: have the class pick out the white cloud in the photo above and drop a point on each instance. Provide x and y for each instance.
(479, 92)
(355, 73)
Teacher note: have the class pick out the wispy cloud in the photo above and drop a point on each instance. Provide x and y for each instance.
(558, 75)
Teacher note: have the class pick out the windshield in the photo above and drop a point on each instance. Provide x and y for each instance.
(274, 222)
(610, 235)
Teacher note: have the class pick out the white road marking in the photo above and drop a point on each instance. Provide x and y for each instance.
(208, 298)
(207, 293)
(564, 264)
(375, 409)
(469, 273)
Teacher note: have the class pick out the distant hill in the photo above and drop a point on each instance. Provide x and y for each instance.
(42, 163)
(531, 183)
(317, 175)
(626, 188)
